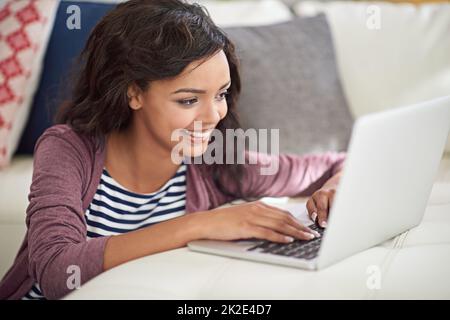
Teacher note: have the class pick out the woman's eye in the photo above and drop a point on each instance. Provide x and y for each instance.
(189, 102)
(224, 94)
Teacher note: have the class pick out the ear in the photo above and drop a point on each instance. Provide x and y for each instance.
(135, 97)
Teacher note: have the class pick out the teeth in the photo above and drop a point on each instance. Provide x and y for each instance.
(199, 134)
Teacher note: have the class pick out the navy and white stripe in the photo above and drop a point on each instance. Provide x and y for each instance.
(116, 210)
(34, 294)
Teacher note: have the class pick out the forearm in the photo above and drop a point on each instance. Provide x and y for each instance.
(163, 236)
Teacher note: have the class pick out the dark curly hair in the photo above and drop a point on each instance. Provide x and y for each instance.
(138, 42)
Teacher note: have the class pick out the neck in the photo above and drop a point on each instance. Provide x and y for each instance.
(139, 164)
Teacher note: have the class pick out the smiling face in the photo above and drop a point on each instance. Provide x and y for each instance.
(197, 94)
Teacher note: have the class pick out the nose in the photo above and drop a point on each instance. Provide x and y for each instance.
(211, 113)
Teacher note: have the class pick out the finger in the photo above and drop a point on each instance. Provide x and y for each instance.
(282, 227)
(312, 209)
(287, 217)
(268, 234)
(291, 221)
(321, 200)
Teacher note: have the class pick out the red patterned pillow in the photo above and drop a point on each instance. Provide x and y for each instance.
(25, 28)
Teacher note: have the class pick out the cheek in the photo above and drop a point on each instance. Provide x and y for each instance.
(182, 118)
(162, 119)
(178, 119)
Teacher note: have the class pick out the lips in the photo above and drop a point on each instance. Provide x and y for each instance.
(198, 136)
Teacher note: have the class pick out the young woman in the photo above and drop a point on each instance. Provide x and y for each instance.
(105, 188)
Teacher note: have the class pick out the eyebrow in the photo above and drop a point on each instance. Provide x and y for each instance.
(192, 90)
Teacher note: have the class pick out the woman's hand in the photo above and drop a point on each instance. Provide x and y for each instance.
(252, 220)
(319, 205)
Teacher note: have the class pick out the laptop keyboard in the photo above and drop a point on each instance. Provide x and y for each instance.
(301, 249)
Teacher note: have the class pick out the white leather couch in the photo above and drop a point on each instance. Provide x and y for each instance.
(401, 68)
(413, 265)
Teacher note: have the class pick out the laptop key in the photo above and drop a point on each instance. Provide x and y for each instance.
(302, 249)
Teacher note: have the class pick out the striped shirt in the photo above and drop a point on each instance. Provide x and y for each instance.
(115, 210)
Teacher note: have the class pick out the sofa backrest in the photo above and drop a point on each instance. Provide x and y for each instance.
(388, 54)
(63, 48)
(290, 82)
(293, 65)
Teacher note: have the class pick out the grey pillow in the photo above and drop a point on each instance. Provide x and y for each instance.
(290, 82)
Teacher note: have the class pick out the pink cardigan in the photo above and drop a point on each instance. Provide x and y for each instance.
(66, 174)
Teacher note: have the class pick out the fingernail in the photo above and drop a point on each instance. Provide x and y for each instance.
(324, 224)
(289, 239)
(314, 216)
(315, 233)
(311, 236)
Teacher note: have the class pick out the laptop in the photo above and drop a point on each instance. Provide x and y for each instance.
(392, 161)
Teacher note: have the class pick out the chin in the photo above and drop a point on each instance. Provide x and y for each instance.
(190, 146)
(195, 150)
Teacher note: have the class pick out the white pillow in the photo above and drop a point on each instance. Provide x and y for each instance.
(406, 60)
(246, 12)
(25, 27)
(238, 12)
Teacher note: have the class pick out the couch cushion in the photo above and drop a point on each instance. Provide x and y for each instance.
(57, 62)
(316, 92)
(25, 27)
(404, 61)
(406, 270)
(290, 82)
(65, 45)
(246, 12)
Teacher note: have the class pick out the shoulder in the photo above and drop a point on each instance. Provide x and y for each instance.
(62, 131)
(64, 159)
(62, 138)
(58, 129)
(61, 149)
